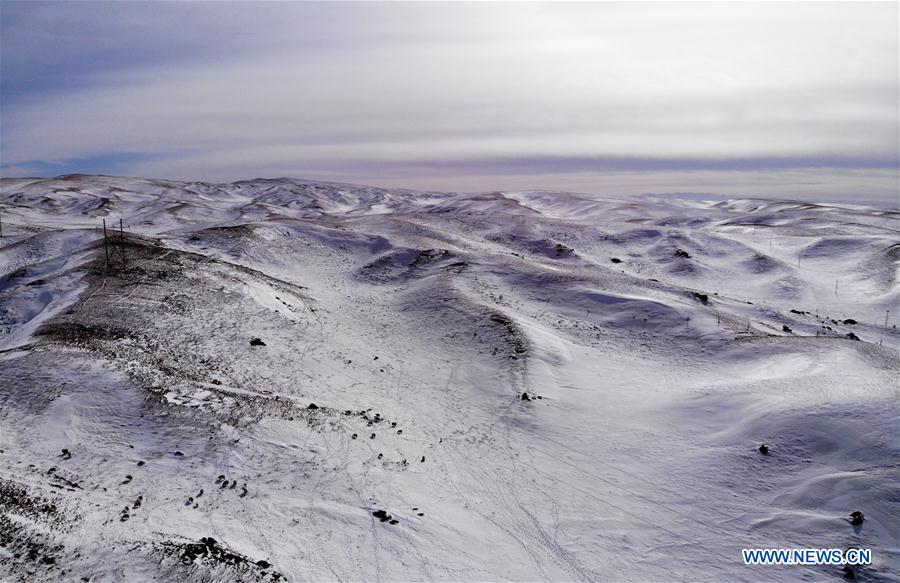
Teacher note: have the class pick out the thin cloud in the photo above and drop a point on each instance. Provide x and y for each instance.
(530, 91)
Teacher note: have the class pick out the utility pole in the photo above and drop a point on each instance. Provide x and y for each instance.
(122, 244)
(105, 247)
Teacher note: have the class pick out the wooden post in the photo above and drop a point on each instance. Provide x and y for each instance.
(122, 244)
(105, 247)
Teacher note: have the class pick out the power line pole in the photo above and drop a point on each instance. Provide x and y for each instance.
(122, 244)
(105, 247)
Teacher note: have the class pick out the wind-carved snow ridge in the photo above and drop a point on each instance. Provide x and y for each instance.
(293, 380)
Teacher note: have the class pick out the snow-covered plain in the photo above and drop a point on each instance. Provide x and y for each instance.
(660, 342)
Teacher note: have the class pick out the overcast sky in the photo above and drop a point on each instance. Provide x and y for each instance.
(769, 99)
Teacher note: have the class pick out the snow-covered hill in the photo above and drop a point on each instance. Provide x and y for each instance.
(294, 380)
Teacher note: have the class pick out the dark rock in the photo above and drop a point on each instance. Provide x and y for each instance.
(263, 564)
(381, 515)
(141, 462)
(525, 397)
(353, 436)
(850, 321)
(257, 342)
(423, 459)
(764, 449)
(786, 328)
(703, 298)
(857, 518)
(849, 573)
(312, 406)
(682, 253)
(852, 336)
(616, 260)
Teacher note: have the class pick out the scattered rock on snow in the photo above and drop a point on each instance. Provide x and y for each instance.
(381, 515)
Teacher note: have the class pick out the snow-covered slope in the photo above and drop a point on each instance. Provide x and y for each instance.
(281, 360)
